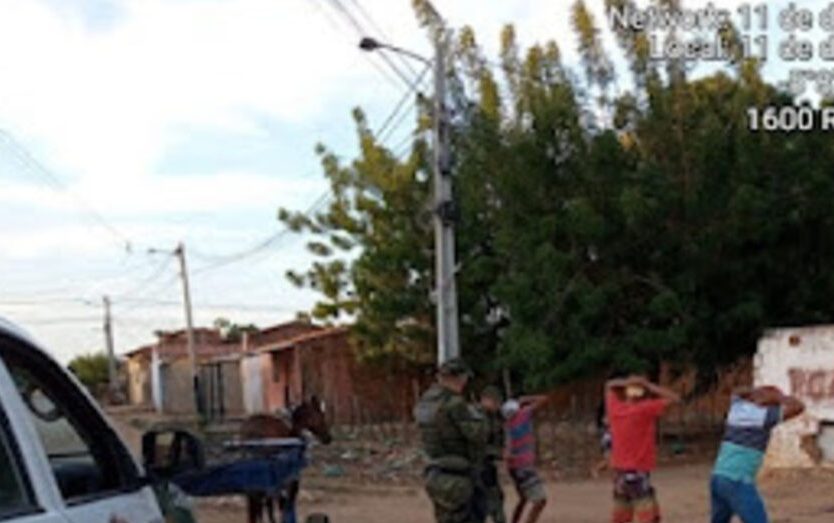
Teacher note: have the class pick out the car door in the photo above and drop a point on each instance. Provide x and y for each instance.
(23, 499)
(95, 478)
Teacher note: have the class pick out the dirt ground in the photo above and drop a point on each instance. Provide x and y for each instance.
(791, 497)
(795, 497)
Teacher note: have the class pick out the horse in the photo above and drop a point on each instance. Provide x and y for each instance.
(308, 416)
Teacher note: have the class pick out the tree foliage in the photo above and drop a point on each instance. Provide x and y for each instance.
(595, 230)
(91, 369)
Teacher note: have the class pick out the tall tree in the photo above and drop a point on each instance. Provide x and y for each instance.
(595, 230)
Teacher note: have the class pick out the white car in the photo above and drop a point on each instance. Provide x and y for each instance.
(60, 460)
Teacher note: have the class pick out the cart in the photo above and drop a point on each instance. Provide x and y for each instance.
(245, 467)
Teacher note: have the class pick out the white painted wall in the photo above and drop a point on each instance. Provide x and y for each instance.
(251, 379)
(800, 361)
(157, 382)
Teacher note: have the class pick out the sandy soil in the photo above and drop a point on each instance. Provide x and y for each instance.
(799, 498)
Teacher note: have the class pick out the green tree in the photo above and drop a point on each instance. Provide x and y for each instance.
(594, 230)
(91, 369)
(233, 332)
(373, 248)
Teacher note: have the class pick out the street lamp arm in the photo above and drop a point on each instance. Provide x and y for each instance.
(371, 44)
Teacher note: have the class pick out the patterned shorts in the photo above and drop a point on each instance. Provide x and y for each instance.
(528, 484)
(634, 498)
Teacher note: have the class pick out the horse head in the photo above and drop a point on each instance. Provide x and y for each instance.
(310, 416)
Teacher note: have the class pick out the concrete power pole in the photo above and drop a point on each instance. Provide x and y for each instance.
(444, 217)
(111, 354)
(189, 323)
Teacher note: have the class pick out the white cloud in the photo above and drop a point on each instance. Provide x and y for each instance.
(154, 195)
(102, 107)
(105, 104)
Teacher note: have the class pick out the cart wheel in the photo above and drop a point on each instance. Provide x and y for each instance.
(318, 518)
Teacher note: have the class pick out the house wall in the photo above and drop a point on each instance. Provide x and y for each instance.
(282, 381)
(283, 332)
(232, 387)
(139, 380)
(800, 361)
(354, 392)
(222, 387)
(178, 387)
(254, 398)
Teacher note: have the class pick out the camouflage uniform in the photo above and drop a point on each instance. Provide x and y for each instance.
(494, 453)
(454, 438)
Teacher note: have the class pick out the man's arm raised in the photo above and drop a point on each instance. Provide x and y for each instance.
(791, 407)
(663, 393)
(534, 402)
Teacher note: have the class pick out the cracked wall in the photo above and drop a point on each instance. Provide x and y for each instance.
(800, 361)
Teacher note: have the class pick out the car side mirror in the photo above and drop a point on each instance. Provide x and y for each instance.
(169, 453)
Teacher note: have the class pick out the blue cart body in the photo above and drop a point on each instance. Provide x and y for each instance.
(268, 473)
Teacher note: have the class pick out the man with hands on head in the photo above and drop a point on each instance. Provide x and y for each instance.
(521, 456)
(633, 406)
(752, 416)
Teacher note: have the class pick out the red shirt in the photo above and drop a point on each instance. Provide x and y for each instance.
(633, 426)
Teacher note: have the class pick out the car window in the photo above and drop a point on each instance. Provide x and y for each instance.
(85, 456)
(15, 494)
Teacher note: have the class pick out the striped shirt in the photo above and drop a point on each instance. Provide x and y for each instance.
(745, 440)
(522, 442)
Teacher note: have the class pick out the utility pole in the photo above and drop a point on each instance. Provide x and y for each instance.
(445, 212)
(444, 216)
(111, 354)
(179, 252)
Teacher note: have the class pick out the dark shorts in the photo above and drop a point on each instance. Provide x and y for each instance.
(529, 485)
(634, 498)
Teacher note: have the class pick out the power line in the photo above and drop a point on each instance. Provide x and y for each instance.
(336, 26)
(160, 269)
(368, 18)
(399, 107)
(59, 321)
(56, 183)
(42, 301)
(362, 32)
(222, 261)
(240, 306)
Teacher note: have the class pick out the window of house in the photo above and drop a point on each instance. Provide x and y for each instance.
(15, 495)
(86, 457)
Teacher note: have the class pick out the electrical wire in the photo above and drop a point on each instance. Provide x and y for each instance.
(146, 282)
(23, 154)
(337, 27)
(368, 18)
(215, 306)
(388, 121)
(263, 245)
(361, 31)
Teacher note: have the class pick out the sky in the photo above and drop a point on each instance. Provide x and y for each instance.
(152, 122)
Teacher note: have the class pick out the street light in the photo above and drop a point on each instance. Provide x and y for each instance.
(448, 345)
(371, 44)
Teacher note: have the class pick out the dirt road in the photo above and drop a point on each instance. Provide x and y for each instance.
(800, 498)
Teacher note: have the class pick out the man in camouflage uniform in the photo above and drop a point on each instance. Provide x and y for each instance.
(454, 439)
(491, 400)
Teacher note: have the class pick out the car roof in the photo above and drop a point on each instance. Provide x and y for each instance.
(15, 331)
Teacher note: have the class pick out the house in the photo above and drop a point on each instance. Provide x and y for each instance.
(271, 370)
(159, 374)
(800, 361)
(324, 363)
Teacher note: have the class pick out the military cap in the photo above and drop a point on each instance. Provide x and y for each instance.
(491, 391)
(455, 367)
